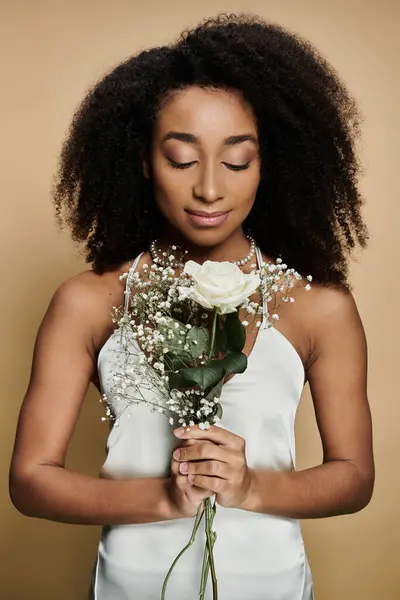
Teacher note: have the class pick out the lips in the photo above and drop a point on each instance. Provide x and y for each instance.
(203, 213)
(203, 218)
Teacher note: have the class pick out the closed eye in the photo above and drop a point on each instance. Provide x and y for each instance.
(177, 165)
(237, 167)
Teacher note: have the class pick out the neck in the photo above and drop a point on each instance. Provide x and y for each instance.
(234, 248)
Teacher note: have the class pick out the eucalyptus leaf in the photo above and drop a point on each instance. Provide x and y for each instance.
(179, 331)
(175, 361)
(218, 413)
(215, 391)
(198, 340)
(235, 332)
(234, 362)
(206, 376)
(176, 381)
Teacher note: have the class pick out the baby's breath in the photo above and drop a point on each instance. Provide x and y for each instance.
(157, 319)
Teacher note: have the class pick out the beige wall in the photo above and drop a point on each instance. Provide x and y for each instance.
(50, 52)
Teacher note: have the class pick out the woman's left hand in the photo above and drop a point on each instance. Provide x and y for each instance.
(222, 465)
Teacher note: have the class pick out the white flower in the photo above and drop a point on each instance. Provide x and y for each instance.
(220, 285)
(184, 292)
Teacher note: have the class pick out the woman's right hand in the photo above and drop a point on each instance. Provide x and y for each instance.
(185, 498)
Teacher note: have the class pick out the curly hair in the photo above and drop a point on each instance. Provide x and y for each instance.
(307, 208)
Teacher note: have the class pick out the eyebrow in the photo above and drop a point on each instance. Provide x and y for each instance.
(192, 139)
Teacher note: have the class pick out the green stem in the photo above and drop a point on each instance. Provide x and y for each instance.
(210, 513)
(206, 563)
(213, 330)
(204, 573)
(197, 521)
(211, 537)
(206, 559)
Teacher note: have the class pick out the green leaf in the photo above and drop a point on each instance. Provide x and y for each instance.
(235, 332)
(175, 361)
(215, 391)
(206, 376)
(176, 381)
(234, 362)
(201, 336)
(218, 412)
(179, 334)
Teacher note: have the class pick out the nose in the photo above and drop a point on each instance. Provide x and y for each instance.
(208, 186)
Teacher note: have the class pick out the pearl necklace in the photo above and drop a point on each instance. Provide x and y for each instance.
(163, 262)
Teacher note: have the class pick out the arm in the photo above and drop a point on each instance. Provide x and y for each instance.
(63, 364)
(338, 383)
(344, 482)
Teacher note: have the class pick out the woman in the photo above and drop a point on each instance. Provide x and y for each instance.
(239, 128)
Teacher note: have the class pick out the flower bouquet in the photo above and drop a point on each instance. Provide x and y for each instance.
(181, 336)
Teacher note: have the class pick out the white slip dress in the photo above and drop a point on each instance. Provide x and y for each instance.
(257, 556)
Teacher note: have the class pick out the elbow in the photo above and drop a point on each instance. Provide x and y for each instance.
(363, 491)
(20, 490)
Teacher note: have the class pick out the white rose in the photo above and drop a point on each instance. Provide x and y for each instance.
(220, 285)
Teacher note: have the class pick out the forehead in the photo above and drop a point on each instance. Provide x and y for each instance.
(206, 112)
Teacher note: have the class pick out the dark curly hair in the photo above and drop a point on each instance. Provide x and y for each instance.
(307, 206)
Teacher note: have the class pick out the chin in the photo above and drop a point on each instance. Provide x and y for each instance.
(206, 236)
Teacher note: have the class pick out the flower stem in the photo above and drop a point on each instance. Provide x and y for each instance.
(210, 511)
(206, 558)
(206, 563)
(213, 331)
(197, 521)
(204, 573)
(211, 537)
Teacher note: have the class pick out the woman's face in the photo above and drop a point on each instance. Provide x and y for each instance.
(205, 164)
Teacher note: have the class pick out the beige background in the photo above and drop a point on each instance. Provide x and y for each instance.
(50, 52)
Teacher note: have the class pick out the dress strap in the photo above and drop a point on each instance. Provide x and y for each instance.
(260, 263)
(129, 281)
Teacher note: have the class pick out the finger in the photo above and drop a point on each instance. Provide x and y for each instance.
(174, 467)
(210, 468)
(203, 451)
(190, 442)
(181, 479)
(218, 435)
(215, 484)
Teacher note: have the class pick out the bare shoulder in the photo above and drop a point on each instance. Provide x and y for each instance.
(333, 321)
(95, 295)
(90, 297)
(329, 303)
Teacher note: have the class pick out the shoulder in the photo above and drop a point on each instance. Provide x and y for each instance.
(331, 303)
(84, 291)
(333, 320)
(89, 298)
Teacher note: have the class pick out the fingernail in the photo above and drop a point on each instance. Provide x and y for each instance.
(178, 432)
(183, 467)
(177, 454)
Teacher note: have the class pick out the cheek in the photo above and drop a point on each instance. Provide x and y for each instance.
(245, 191)
(168, 192)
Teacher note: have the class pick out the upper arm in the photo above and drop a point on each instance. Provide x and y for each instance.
(62, 367)
(338, 382)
